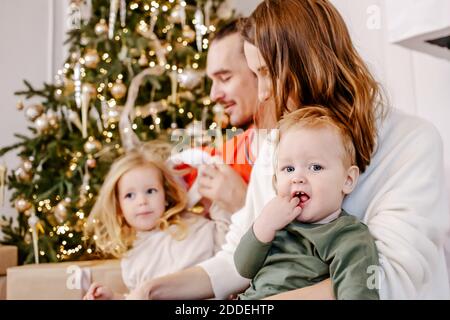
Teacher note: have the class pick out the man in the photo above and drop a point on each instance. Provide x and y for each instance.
(235, 87)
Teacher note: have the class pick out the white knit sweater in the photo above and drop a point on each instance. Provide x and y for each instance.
(401, 197)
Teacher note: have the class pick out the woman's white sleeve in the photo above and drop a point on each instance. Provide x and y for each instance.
(408, 214)
(221, 270)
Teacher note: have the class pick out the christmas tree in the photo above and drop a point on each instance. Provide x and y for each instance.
(135, 71)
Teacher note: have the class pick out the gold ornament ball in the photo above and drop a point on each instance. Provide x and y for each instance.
(112, 115)
(101, 28)
(53, 119)
(84, 40)
(118, 90)
(90, 89)
(20, 105)
(60, 211)
(22, 175)
(27, 165)
(91, 163)
(42, 124)
(188, 33)
(22, 205)
(32, 112)
(190, 78)
(92, 146)
(91, 59)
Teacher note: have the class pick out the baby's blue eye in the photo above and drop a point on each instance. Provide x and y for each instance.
(289, 169)
(315, 167)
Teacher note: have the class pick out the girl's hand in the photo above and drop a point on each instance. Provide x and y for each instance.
(277, 214)
(98, 292)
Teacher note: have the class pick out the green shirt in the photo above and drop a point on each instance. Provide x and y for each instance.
(304, 254)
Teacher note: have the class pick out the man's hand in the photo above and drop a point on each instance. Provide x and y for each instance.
(220, 183)
(277, 213)
(98, 292)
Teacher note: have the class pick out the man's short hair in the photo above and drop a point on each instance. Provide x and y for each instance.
(229, 29)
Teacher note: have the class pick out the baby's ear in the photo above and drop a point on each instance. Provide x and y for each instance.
(274, 182)
(351, 180)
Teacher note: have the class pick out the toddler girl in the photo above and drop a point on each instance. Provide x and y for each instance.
(140, 216)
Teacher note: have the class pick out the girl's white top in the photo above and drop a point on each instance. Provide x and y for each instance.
(156, 253)
(401, 197)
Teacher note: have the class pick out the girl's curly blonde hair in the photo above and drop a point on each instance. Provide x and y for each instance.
(111, 233)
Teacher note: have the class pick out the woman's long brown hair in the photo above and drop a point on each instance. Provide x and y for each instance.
(312, 61)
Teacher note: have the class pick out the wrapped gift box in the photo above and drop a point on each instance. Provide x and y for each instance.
(8, 258)
(2, 287)
(62, 281)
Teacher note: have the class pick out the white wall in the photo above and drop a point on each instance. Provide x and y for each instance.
(245, 7)
(30, 49)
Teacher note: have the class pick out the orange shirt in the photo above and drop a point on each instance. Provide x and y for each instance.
(236, 152)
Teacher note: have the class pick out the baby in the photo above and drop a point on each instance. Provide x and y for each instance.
(303, 236)
(141, 217)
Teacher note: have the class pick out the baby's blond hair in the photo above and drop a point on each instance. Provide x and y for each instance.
(112, 234)
(315, 117)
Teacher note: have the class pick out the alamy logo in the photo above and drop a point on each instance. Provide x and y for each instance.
(73, 281)
(374, 17)
(376, 275)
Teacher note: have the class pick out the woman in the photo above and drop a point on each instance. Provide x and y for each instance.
(302, 54)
